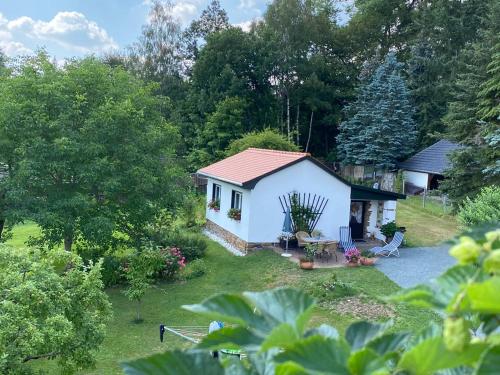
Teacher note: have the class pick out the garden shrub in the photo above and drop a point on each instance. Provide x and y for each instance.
(112, 270)
(112, 264)
(328, 288)
(192, 245)
(267, 139)
(173, 261)
(194, 269)
(484, 208)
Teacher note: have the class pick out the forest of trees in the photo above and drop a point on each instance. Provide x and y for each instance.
(320, 83)
(396, 77)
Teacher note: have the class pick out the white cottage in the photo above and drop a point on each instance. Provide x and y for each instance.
(249, 185)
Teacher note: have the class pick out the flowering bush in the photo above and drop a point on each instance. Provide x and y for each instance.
(174, 261)
(352, 256)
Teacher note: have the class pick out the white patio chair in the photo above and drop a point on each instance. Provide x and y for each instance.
(391, 248)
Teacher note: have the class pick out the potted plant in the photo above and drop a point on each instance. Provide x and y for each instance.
(388, 230)
(214, 204)
(352, 256)
(234, 214)
(367, 258)
(307, 261)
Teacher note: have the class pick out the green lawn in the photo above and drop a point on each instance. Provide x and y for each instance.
(262, 270)
(21, 234)
(425, 226)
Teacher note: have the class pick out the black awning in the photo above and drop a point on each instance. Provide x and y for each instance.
(364, 193)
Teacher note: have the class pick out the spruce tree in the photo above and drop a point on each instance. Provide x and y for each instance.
(380, 128)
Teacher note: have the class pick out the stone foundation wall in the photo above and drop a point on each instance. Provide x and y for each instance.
(227, 236)
(235, 240)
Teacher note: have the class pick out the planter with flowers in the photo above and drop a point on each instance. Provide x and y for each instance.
(307, 261)
(234, 214)
(367, 258)
(214, 204)
(352, 256)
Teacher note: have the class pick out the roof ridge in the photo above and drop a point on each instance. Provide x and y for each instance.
(270, 151)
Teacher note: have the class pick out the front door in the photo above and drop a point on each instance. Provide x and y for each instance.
(356, 219)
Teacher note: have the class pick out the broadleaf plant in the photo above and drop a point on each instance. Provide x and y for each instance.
(270, 328)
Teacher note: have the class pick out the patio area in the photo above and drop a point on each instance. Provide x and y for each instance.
(328, 262)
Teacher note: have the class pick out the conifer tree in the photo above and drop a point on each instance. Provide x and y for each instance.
(380, 128)
(473, 116)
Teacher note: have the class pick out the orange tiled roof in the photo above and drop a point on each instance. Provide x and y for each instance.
(251, 164)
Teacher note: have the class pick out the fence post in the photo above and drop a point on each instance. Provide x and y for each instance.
(423, 197)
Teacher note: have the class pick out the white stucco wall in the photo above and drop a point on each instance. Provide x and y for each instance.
(388, 215)
(417, 178)
(372, 227)
(239, 228)
(389, 212)
(266, 219)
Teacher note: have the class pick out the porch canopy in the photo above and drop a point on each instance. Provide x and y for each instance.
(364, 193)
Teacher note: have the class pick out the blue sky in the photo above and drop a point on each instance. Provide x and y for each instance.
(79, 27)
(69, 28)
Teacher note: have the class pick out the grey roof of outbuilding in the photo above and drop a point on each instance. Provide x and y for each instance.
(433, 159)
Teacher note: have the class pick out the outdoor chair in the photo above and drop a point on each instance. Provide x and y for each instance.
(391, 248)
(346, 242)
(301, 236)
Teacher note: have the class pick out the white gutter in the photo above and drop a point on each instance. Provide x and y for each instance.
(220, 179)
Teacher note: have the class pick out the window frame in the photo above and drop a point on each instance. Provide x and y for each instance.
(234, 194)
(216, 188)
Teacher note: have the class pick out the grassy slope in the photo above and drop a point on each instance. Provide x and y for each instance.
(227, 273)
(425, 226)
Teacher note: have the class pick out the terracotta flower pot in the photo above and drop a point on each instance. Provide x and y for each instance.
(352, 264)
(306, 264)
(367, 261)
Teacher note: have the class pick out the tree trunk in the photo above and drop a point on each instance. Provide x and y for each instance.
(138, 317)
(297, 123)
(310, 130)
(2, 225)
(288, 117)
(68, 242)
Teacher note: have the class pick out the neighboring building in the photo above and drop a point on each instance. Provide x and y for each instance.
(253, 180)
(426, 168)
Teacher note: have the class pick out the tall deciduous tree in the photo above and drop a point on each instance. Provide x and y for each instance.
(213, 19)
(6, 151)
(380, 129)
(224, 125)
(157, 55)
(53, 307)
(97, 162)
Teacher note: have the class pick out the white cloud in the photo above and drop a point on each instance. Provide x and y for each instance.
(11, 48)
(71, 31)
(246, 4)
(246, 25)
(185, 11)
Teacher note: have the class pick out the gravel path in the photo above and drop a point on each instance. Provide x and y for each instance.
(416, 265)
